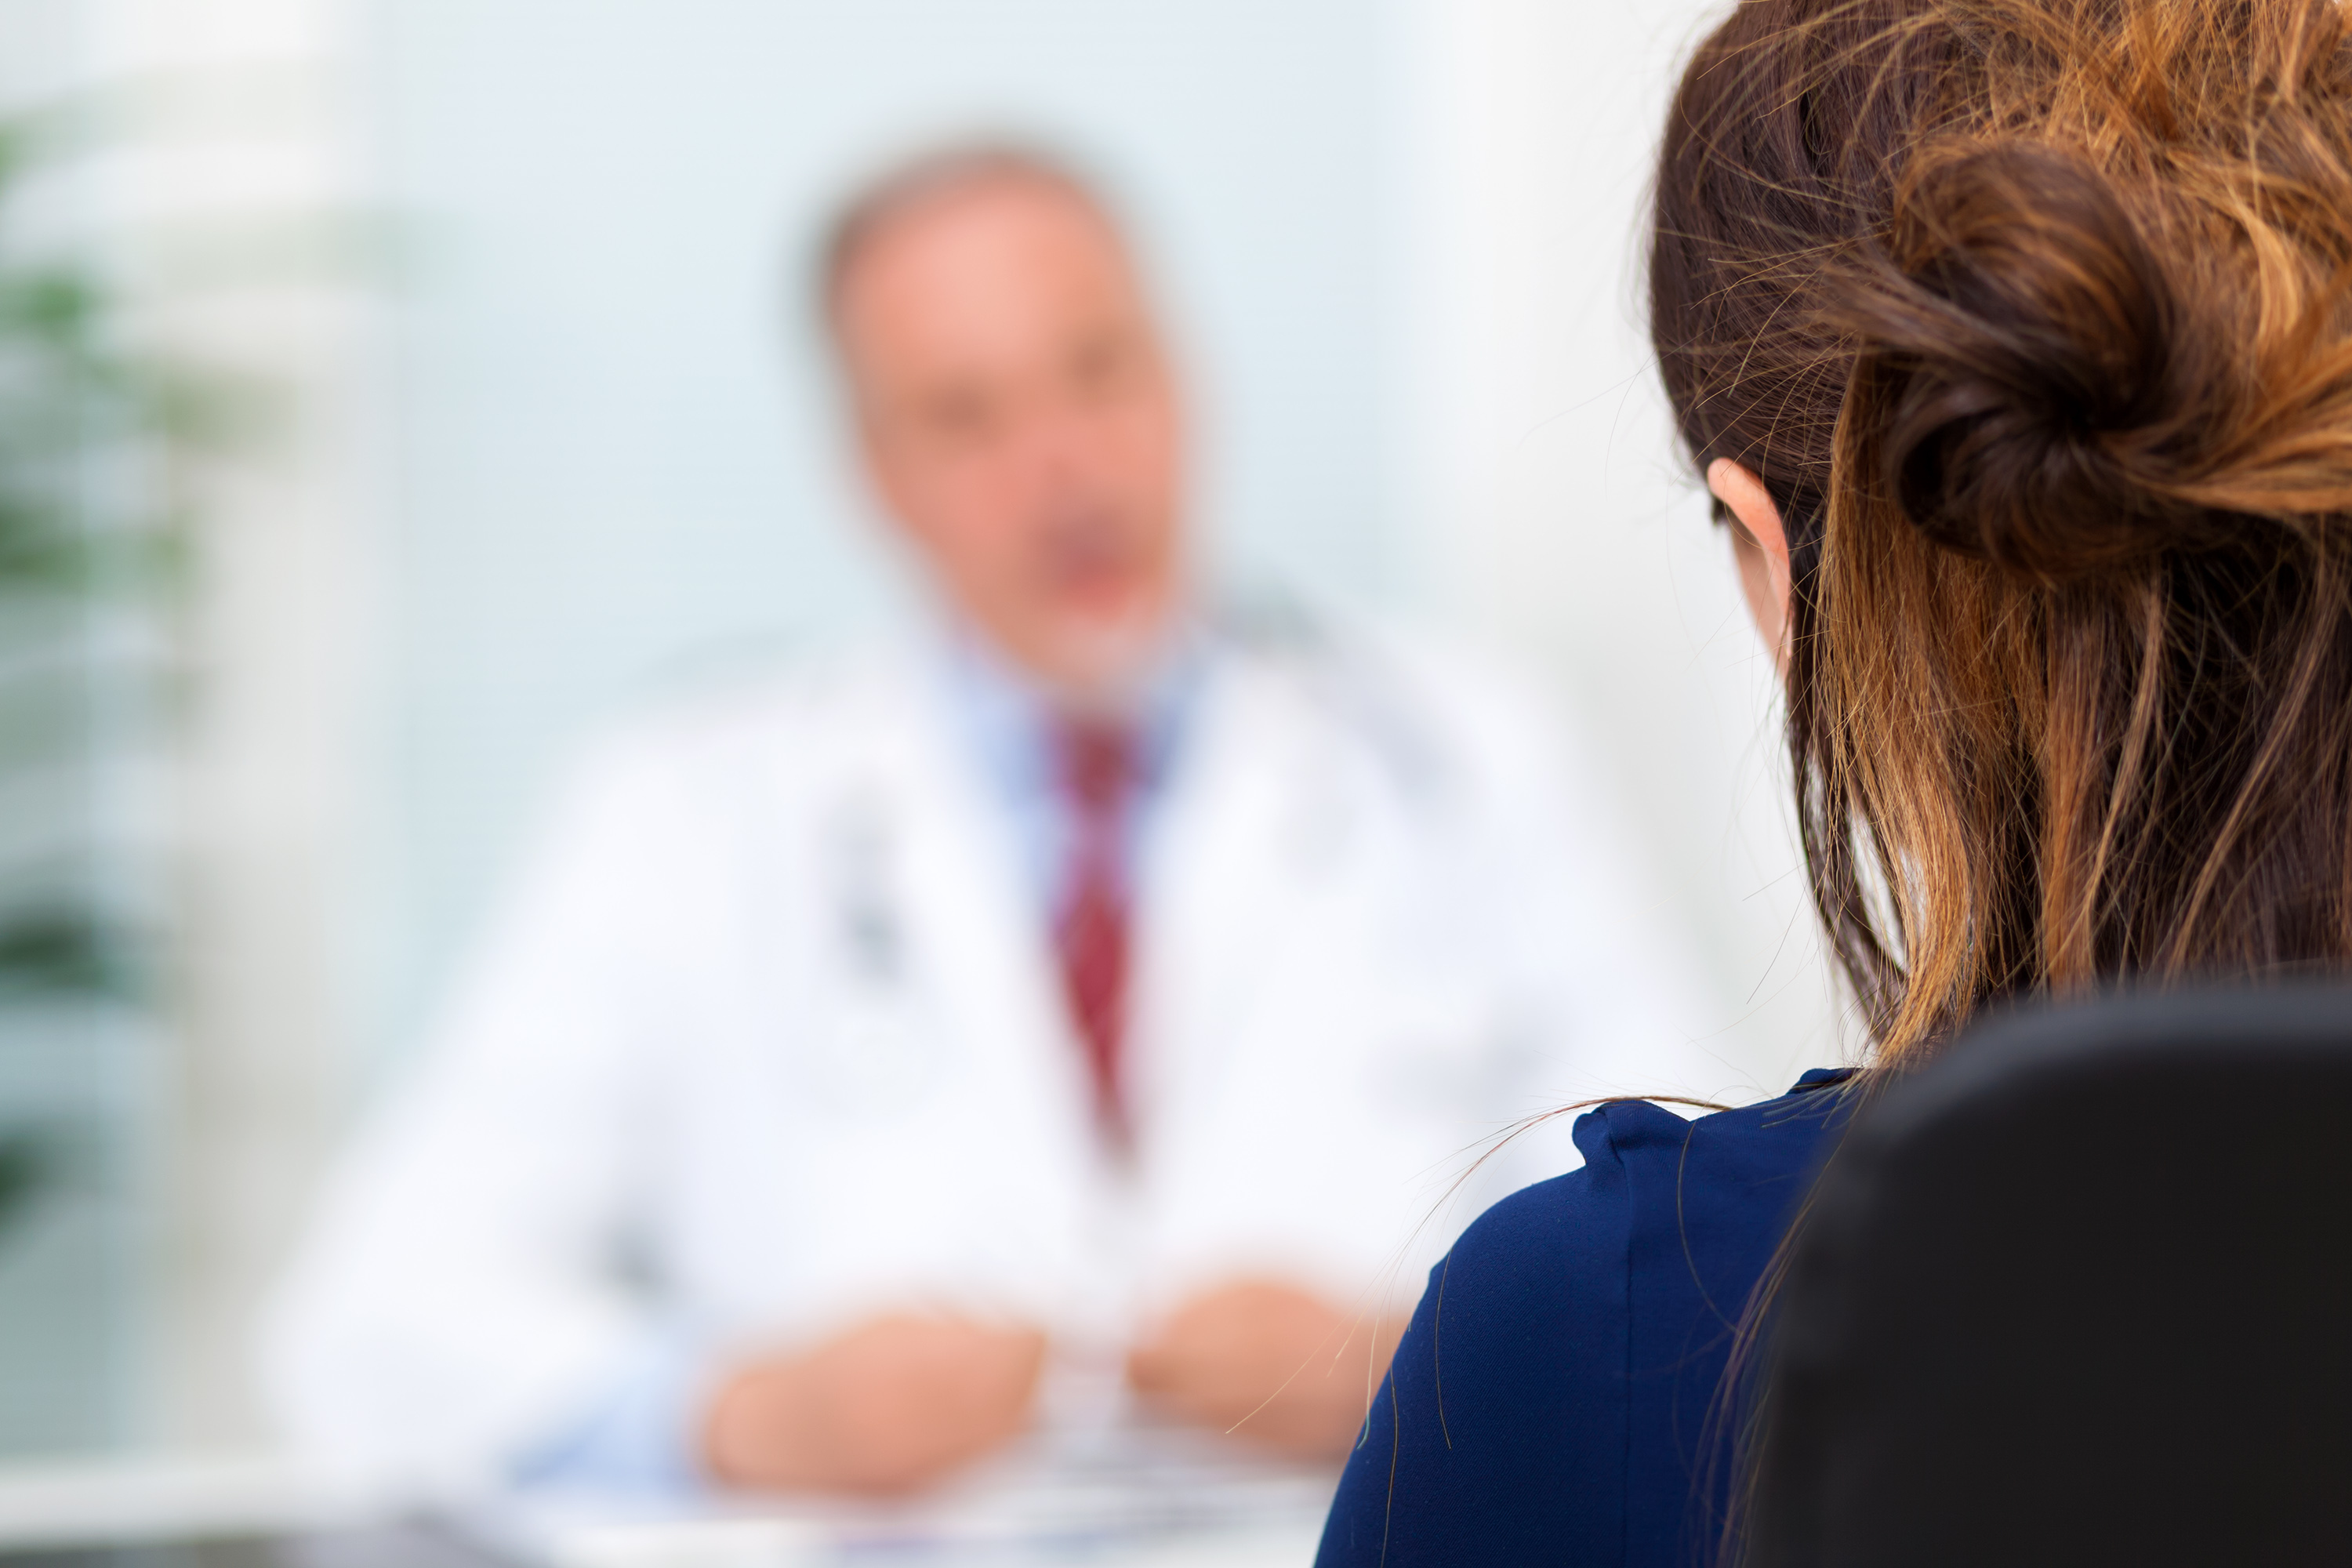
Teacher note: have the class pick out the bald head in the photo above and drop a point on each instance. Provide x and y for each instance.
(1016, 411)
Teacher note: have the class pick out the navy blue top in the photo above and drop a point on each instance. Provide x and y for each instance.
(1556, 1397)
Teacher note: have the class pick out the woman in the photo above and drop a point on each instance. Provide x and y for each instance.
(2014, 339)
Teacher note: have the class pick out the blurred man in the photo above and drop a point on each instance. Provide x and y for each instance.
(1085, 991)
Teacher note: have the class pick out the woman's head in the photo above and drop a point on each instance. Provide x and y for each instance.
(2033, 319)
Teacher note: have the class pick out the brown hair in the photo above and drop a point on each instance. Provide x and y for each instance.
(2035, 317)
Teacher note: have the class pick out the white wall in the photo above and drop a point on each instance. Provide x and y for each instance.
(1548, 506)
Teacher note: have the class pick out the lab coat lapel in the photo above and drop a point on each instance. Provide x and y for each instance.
(993, 956)
(1254, 827)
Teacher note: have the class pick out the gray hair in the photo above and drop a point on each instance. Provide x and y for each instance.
(899, 188)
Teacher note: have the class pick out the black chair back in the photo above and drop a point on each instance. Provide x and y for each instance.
(2079, 1293)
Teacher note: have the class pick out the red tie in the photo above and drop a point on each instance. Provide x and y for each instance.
(1098, 767)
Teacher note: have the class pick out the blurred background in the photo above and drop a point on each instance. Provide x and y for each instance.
(390, 390)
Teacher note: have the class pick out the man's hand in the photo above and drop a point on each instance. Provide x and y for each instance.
(889, 1407)
(1270, 1362)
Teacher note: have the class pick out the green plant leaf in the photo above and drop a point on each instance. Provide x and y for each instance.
(63, 951)
(27, 1167)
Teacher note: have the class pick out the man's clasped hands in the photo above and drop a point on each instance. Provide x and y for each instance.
(896, 1401)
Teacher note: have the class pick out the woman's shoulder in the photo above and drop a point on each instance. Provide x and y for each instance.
(1637, 1154)
(1541, 1401)
(1763, 1139)
(1561, 1374)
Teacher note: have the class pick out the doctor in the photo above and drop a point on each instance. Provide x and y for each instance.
(1076, 1007)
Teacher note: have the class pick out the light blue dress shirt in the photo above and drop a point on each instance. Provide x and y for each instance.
(1007, 727)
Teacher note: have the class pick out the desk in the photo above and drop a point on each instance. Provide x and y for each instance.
(1130, 1506)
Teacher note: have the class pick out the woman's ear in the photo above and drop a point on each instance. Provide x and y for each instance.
(1761, 548)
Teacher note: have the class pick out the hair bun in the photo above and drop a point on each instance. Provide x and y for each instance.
(2019, 333)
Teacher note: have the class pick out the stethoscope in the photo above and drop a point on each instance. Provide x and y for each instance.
(857, 852)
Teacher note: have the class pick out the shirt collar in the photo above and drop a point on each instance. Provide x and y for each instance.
(1008, 718)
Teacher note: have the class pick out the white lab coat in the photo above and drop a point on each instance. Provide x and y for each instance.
(772, 1037)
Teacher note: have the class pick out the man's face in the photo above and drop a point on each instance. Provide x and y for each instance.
(1020, 421)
